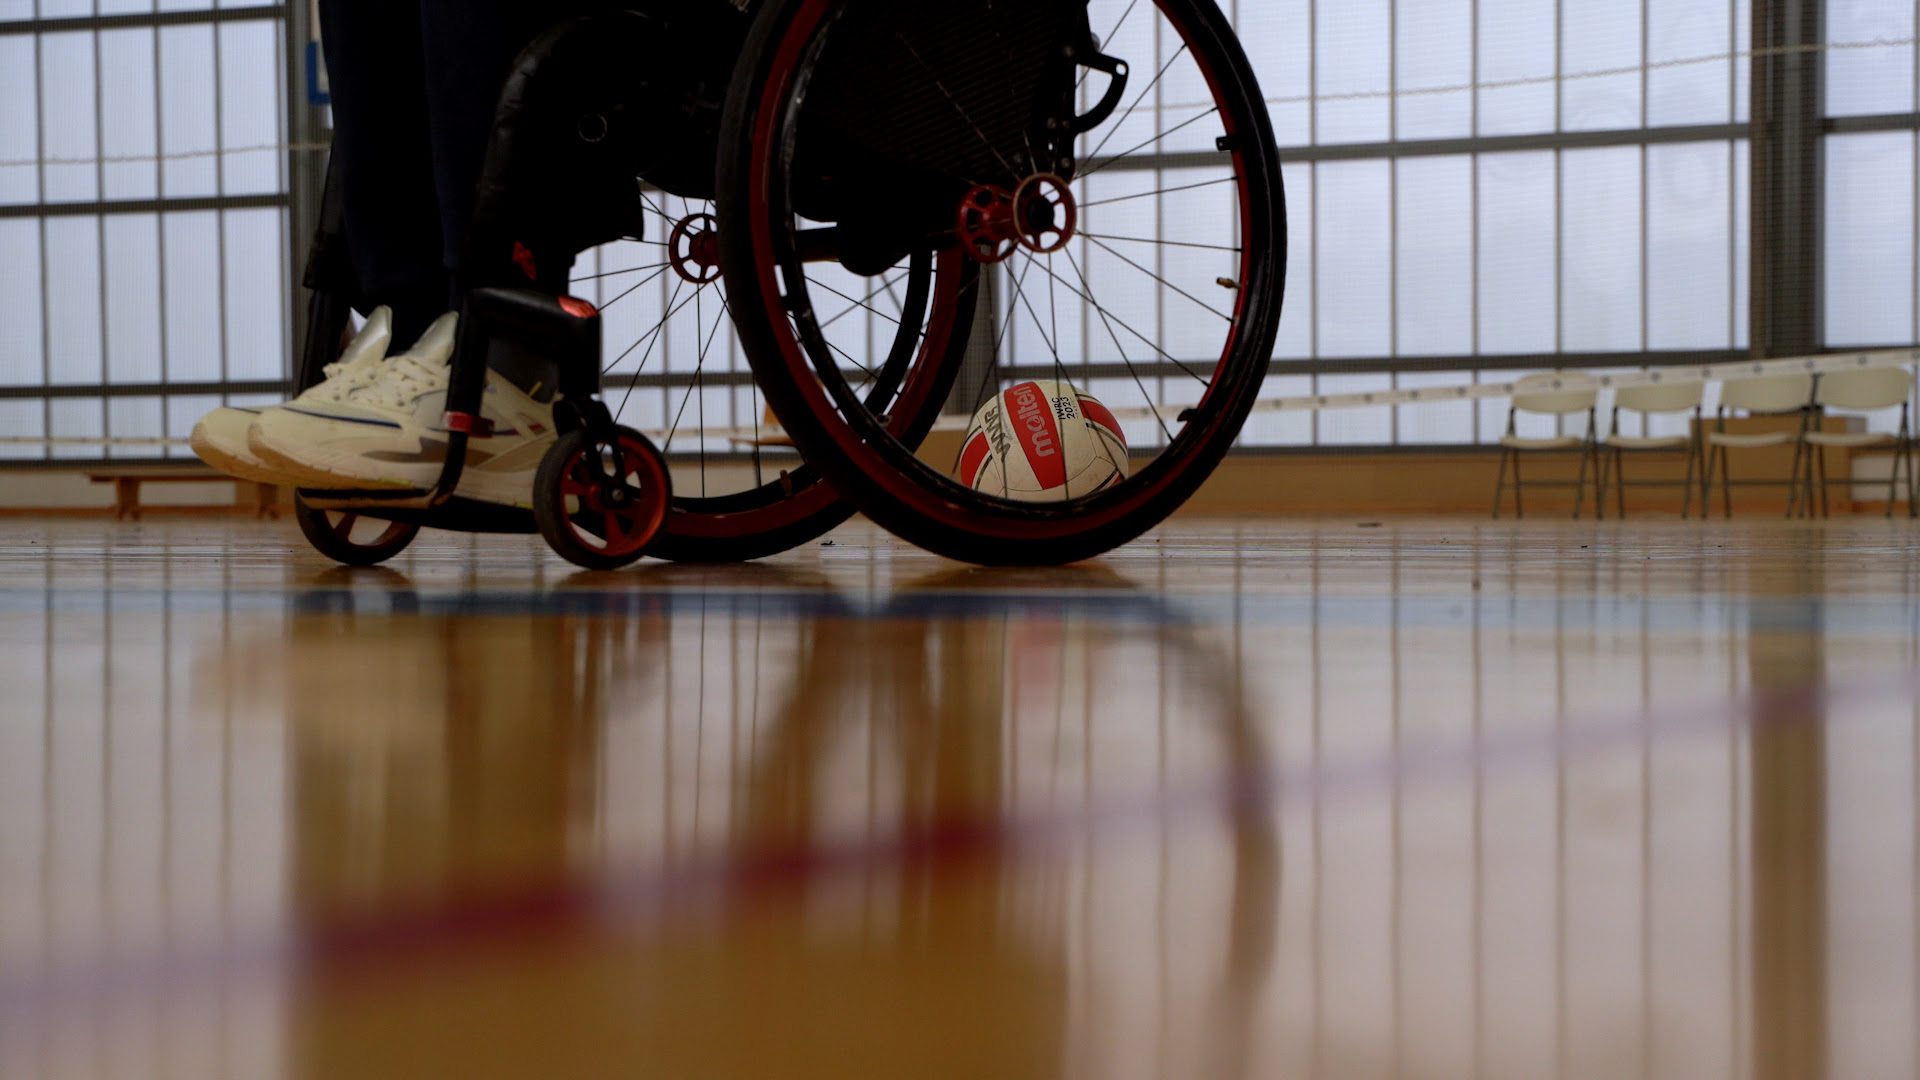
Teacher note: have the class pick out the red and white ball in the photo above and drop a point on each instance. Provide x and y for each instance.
(1043, 441)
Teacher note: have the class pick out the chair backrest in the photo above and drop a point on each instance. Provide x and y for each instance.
(1660, 397)
(1768, 393)
(1869, 388)
(1559, 394)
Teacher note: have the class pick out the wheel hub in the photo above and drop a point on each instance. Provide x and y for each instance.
(694, 249)
(1039, 215)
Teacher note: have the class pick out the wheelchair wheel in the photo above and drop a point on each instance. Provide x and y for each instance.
(352, 539)
(675, 369)
(1135, 235)
(600, 503)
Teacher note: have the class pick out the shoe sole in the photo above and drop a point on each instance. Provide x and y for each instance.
(244, 468)
(513, 489)
(308, 474)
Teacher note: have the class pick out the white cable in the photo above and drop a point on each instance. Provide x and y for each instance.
(1701, 373)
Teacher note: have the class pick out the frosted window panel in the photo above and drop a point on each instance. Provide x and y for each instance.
(1742, 67)
(62, 9)
(1516, 47)
(1124, 394)
(20, 309)
(16, 9)
(1354, 57)
(134, 418)
(1127, 327)
(251, 106)
(19, 178)
(66, 117)
(1493, 411)
(188, 133)
(627, 284)
(126, 114)
(181, 413)
(1295, 340)
(1435, 53)
(1690, 93)
(1439, 422)
(76, 418)
(1869, 234)
(126, 7)
(1293, 428)
(1199, 309)
(1869, 80)
(1356, 427)
(1274, 34)
(73, 299)
(645, 409)
(192, 294)
(1435, 279)
(22, 419)
(1689, 252)
(133, 298)
(256, 296)
(1355, 275)
(1132, 39)
(1742, 239)
(1600, 36)
(1516, 252)
(1600, 254)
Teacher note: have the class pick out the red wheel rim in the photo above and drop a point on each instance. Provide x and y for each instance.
(614, 502)
(924, 495)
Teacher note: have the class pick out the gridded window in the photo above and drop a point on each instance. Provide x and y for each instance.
(143, 206)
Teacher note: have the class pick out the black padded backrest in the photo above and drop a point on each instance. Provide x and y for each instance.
(951, 87)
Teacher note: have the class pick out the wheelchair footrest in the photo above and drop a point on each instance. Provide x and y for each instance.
(410, 508)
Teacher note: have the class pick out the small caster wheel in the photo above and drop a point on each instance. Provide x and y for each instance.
(601, 502)
(352, 539)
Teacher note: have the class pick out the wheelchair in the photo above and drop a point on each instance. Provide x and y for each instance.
(819, 231)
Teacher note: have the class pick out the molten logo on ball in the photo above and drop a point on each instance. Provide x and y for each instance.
(1043, 442)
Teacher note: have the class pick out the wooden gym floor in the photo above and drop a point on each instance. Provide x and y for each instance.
(1321, 799)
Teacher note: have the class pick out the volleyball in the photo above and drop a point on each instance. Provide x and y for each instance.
(1043, 441)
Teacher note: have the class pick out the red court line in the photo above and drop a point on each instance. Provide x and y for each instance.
(401, 939)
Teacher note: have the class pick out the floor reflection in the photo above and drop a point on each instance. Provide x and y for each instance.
(1430, 802)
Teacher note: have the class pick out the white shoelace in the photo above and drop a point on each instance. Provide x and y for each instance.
(401, 381)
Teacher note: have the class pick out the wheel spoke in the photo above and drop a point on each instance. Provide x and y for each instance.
(1160, 191)
(1144, 91)
(1107, 315)
(1162, 243)
(951, 100)
(1162, 281)
(884, 286)
(617, 273)
(1129, 153)
(1121, 349)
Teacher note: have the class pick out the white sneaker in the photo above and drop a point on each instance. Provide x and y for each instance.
(390, 434)
(220, 438)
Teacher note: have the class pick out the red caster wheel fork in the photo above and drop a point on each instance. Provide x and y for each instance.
(599, 501)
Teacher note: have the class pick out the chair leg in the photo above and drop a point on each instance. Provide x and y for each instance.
(1500, 485)
(1893, 485)
(1795, 480)
(1580, 487)
(1820, 477)
(1519, 503)
(1620, 483)
(1726, 484)
(1686, 488)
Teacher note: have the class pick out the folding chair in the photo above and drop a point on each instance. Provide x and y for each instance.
(1766, 395)
(1658, 399)
(1862, 391)
(1551, 395)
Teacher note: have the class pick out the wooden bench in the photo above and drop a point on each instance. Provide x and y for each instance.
(126, 481)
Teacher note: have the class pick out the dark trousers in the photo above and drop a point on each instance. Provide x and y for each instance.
(414, 86)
